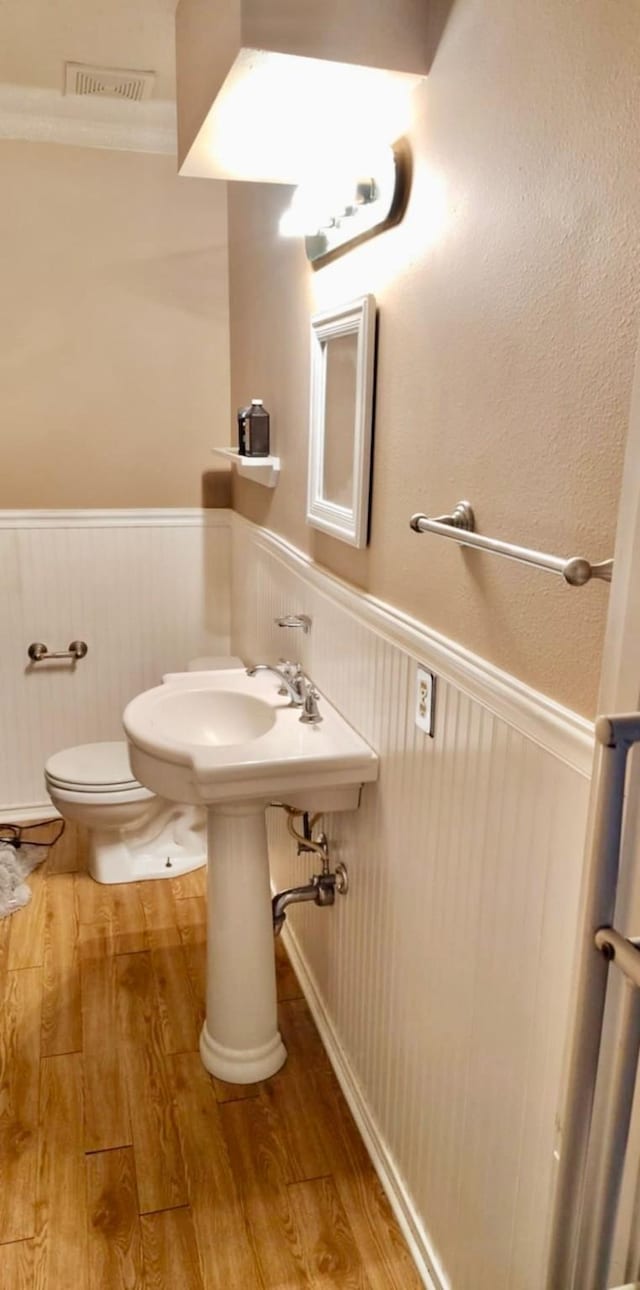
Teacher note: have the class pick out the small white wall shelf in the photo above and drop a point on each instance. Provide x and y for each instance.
(261, 470)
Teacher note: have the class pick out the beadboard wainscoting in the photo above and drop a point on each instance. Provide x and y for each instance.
(441, 982)
(147, 590)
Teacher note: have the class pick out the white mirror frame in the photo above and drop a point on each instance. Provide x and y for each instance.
(348, 523)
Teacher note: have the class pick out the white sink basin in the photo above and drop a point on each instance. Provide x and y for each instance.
(208, 717)
(232, 742)
(225, 736)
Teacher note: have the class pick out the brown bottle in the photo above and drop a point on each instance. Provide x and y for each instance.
(243, 423)
(256, 430)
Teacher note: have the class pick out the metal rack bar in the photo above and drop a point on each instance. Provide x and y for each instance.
(460, 526)
(632, 1267)
(617, 735)
(39, 653)
(597, 1233)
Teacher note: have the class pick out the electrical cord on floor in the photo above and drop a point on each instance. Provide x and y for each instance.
(12, 834)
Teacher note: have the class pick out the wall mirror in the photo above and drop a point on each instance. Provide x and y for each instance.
(341, 417)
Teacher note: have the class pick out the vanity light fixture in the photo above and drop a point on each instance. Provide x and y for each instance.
(336, 211)
(268, 91)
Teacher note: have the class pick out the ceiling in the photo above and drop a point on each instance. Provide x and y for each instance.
(37, 37)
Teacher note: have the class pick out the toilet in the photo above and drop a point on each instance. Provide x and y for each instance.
(133, 834)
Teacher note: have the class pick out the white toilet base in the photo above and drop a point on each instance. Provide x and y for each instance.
(111, 861)
(175, 847)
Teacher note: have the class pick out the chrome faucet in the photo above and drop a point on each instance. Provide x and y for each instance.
(291, 685)
(300, 688)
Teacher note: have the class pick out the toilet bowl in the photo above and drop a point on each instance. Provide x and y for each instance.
(133, 834)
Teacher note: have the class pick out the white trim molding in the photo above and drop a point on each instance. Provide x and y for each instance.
(144, 517)
(559, 730)
(35, 813)
(39, 115)
(382, 1160)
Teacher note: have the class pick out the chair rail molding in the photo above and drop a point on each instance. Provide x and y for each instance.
(100, 518)
(559, 730)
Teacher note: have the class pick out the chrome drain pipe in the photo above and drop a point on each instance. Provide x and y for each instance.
(321, 890)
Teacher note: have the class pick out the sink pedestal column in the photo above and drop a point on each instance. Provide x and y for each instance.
(240, 1041)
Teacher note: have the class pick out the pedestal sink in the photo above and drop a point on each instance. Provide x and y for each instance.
(232, 742)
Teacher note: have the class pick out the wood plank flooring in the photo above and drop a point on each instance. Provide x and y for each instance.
(123, 1164)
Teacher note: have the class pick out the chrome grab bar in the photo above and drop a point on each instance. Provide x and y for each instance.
(460, 526)
(39, 653)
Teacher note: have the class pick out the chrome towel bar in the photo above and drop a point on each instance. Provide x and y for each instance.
(460, 525)
(38, 653)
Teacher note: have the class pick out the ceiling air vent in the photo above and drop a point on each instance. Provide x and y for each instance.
(108, 82)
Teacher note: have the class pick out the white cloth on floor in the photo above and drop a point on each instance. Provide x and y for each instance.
(15, 864)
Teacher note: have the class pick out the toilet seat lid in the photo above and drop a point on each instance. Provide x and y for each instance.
(92, 766)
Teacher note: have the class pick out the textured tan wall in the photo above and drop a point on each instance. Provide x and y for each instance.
(114, 366)
(509, 306)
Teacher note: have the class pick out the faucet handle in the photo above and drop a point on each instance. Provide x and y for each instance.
(311, 713)
(295, 620)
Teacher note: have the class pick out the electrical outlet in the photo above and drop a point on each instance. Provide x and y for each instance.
(425, 700)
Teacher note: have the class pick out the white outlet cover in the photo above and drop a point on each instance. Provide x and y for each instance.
(425, 700)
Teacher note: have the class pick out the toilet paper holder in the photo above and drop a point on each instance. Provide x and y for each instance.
(39, 653)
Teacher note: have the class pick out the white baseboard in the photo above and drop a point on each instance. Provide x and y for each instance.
(393, 1185)
(30, 814)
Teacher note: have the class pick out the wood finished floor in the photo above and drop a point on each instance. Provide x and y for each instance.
(123, 1165)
